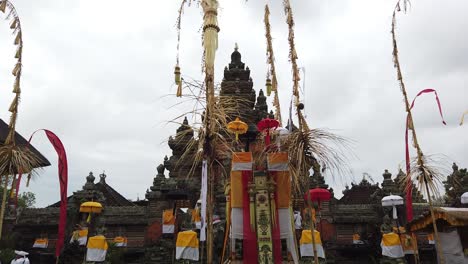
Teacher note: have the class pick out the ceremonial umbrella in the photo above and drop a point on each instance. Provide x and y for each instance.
(317, 195)
(237, 127)
(392, 200)
(90, 207)
(464, 198)
(265, 125)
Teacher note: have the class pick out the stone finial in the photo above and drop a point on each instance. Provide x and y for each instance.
(387, 175)
(455, 167)
(102, 177)
(89, 185)
(160, 170)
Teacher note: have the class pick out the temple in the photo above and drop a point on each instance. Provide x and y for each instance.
(349, 226)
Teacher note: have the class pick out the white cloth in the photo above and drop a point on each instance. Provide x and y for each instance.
(392, 251)
(168, 229)
(96, 254)
(307, 250)
(204, 199)
(187, 253)
(452, 248)
(23, 260)
(297, 220)
(286, 232)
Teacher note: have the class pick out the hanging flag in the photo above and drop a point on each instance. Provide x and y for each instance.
(63, 179)
(41, 243)
(97, 249)
(187, 246)
(410, 125)
(241, 174)
(391, 246)
(168, 222)
(204, 197)
(120, 241)
(278, 168)
(307, 245)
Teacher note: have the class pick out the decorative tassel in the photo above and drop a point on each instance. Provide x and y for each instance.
(16, 69)
(268, 86)
(16, 86)
(89, 218)
(14, 105)
(463, 117)
(18, 52)
(3, 6)
(18, 38)
(28, 179)
(13, 24)
(179, 90)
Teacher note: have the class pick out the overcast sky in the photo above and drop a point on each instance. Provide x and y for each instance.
(100, 75)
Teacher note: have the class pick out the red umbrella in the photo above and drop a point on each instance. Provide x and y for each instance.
(317, 195)
(265, 125)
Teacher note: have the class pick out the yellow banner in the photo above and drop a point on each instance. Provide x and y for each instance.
(390, 239)
(306, 237)
(97, 242)
(187, 239)
(168, 217)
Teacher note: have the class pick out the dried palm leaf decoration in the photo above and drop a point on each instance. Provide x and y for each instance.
(271, 62)
(14, 159)
(425, 174)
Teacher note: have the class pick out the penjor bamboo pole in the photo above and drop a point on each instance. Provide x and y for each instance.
(413, 130)
(434, 225)
(210, 44)
(4, 201)
(312, 229)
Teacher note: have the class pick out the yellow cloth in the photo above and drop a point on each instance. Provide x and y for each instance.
(306, 237)
(196, 215)
(390, 239)
(187, 239)
(97, 242)
(168, 217)
(80, 233)
(120, 239)
(41, 241)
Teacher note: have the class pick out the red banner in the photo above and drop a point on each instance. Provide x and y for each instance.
(63, 179)
(250, 237)
(409, 184)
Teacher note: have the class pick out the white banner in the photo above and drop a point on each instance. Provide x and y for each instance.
(204, 190)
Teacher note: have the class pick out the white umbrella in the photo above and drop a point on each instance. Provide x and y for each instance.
(392, 200)
(464, 198)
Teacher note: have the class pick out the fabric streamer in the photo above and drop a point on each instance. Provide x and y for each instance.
(204, 190)
(63, 179)
(410, 125)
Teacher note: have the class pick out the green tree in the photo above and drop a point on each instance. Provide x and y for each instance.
(25, 199)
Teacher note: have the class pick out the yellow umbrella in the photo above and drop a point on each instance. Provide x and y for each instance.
(90, 207)
(237, 127)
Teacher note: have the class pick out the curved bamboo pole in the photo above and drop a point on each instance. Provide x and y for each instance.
(10, 139)
(420, 159)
